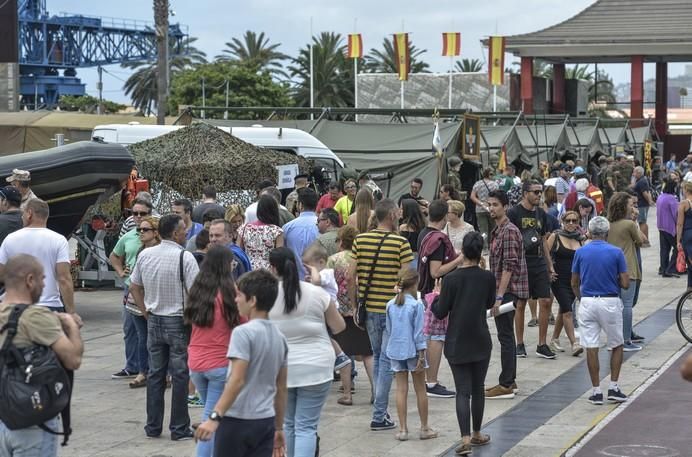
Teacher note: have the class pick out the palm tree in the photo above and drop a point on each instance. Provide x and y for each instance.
(255, 50)
(142, 85)
(579, 72)
(161, 24)
(333, 79)
(384, 60)
(541, 69)
(469, 65)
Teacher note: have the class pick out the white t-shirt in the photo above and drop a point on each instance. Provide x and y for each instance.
(49, 248)
(328, 282)
(310, 353)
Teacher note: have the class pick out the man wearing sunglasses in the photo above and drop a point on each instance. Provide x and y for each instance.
(532, 221)
(123, 259)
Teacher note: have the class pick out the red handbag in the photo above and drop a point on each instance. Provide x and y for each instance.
(681, 263)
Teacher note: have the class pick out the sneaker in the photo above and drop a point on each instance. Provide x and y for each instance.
(439, 391)
(577, 349)
(341, 361)
(385, 424)
(596, 399)
(124, 374)
(533, 323)
(521, 351)
(616, 396)
(630, 347)
(555, 345)
(637, 338)
(499, 392)
(186, 436)
(544, 351)
(515, 389)
(194, 402)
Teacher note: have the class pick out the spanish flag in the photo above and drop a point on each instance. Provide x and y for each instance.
(403, 58)
(496, 60)
(502, 163)
(451, 44)
(355, 46)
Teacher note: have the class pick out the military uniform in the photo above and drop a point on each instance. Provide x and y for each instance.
(622, 176)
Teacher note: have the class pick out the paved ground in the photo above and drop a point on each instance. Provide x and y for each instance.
(109, 417)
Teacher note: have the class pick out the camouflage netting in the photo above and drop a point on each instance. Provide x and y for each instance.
(184, 161)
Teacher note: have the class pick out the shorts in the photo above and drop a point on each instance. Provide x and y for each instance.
(437, 337)
(539, 282)
(643, 213)
(600, 313)
(407, 365)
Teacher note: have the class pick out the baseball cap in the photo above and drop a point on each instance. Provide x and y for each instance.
(11, 194)
(19, 175)
(578, 170)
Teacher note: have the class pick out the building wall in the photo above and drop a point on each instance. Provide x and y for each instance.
(9, 87)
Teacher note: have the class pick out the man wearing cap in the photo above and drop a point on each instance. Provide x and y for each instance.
(21, 180)
(301, 182)
(329, 199)
(11, 217)
(599, 270)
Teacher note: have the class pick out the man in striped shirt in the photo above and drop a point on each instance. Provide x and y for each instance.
(379, 255)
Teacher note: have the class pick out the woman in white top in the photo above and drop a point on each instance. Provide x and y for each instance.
(300, 313)
(457, 228)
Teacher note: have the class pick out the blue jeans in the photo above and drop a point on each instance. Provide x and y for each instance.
(167, 344)
(627, 297)
(139, 361)
(376, 325)
(210, 386)
(302, 417)
(29, 442)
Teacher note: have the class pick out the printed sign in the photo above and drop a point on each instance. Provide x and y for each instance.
(287, 174)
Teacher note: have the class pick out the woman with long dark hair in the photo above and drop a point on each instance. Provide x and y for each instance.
(300, 312)
(365, 206)
(684, 229)
(258, 238)
(449, 192)
(212, 312)
(412, 223)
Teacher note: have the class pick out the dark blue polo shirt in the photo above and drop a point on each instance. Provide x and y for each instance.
(599, 265)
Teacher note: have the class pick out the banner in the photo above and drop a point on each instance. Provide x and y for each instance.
(472, 137)
(648, 159)
(403, 59)
(451, 44)
(502, 163)
(437, 141)
(496, 60)
(355, 46)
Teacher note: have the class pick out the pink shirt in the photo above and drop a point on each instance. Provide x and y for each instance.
(209, 345)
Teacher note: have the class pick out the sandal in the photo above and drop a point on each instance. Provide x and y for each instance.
(137, 383)
(345, 401)
(463, 449)
(402, 436)
(427, 434)
(482, 441)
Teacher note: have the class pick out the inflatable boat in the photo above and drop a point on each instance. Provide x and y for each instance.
(71, 178)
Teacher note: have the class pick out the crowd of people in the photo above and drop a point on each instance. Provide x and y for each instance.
(252, 313)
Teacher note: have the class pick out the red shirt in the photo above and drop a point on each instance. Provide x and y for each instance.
(209, 345)
(327, 202)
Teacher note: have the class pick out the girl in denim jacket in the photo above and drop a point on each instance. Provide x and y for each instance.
(405, 348)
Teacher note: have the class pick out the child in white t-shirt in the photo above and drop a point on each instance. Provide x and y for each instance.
(316, 272)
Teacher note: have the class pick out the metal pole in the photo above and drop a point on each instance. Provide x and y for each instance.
(355, 84)
(203, 100)
(312, 79)
(225, 113)
(35, 95)
(494, 99)
(402, 94)
(451, 68)
(59, 139)
(99, 87)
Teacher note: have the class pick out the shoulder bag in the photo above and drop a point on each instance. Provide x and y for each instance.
(361, 310)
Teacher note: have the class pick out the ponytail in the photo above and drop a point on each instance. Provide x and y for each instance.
(406, 279)
(283, 260)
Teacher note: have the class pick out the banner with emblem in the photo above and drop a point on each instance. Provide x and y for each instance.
(471, 140)
(402, 54)
(648, 158)
(496, 60)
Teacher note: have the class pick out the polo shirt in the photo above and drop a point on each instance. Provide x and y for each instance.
(599, 265)
(394, 253)
(128, 246)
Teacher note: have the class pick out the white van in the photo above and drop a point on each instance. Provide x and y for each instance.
(281, 139)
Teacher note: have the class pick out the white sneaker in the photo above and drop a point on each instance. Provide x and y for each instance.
(555, 345)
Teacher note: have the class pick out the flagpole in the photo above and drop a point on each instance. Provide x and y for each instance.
(494, 98)
(451, 68)
(403, 30)
(355, 72)
(312, 82)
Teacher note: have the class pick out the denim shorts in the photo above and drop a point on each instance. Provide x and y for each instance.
(407, 365)
(643, 213)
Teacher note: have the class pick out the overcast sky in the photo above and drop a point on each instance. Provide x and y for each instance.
(215, 22)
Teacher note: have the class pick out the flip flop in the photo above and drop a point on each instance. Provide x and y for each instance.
(137, 383)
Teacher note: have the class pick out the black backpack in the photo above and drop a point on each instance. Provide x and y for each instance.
(34, 386)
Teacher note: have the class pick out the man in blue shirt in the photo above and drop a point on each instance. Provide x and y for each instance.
(599, 270)
(220, 235)
(183, 208)
(302, 231)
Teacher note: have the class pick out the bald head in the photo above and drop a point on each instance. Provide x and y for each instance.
(24, 276)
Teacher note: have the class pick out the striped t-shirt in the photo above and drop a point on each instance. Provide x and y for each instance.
(394, 253)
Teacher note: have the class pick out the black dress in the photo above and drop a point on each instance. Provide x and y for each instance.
(562, 286)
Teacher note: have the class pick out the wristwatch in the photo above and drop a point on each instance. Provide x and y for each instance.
(216, 417)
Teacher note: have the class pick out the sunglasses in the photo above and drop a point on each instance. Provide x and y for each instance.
(350, 187)
(140, 213)
(145, 229)
(537, 192)
(571, 221)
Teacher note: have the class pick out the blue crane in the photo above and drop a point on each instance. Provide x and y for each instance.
(49, 44)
